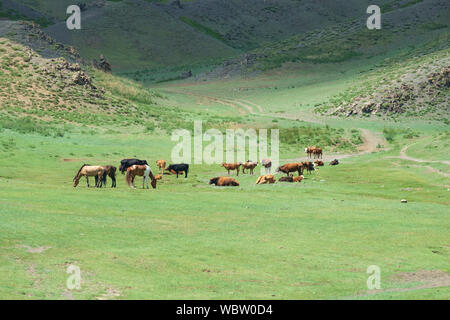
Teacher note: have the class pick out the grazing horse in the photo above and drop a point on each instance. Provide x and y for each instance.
(140, 170)
(126, 163)
(161, 165)
(267, 163)
(249, 165)
(111, 172)
(89, 171)
(224, 182)
(268, 178)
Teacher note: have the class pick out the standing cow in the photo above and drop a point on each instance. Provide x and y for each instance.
(179, 169)
(249, 165)
(291, 167)
(232, 166)
(161, 165)
(267, 163)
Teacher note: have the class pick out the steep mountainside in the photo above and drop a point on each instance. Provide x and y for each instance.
(140, 34)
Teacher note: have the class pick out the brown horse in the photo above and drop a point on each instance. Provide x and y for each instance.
(90, 171)
(111, 172)
(140, 170)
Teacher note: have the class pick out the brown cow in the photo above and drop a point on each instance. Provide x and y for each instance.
(158, 177)
(291, 179)
(317, 152)
(291, 167)
(318, 163)
(249, 165)
(310, 150)
(224, 182)
(161, 165)
(232, 166)
(309, 166)
(268, 178)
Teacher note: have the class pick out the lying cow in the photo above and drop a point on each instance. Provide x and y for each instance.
(126, 163)
(268, 178)
(335, 162)
(291, 167)
(249, 165)
(179, 168)
(318, 163)
(291, 179)
(232, 166)
(158, 177)
(224, 182)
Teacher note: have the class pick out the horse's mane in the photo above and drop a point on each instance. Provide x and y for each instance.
(79, 171)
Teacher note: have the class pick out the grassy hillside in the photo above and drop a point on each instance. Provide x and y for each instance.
(190, 240)
(202, 32)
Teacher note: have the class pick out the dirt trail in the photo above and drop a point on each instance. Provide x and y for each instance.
(370, 143)
(404, 156)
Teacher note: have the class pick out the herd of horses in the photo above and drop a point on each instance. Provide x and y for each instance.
(136, 167)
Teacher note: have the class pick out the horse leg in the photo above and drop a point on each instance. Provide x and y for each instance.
(87, 181)
(100, 179)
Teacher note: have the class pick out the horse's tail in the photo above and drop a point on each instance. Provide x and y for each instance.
(79, 171)
(128, 177)
(112, 172)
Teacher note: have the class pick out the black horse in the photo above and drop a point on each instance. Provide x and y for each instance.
(126, 163)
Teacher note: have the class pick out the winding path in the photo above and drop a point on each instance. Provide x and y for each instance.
(404, 156)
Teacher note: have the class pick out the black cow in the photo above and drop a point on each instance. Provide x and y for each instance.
(183, 167)
(126, 163)
(335, 162)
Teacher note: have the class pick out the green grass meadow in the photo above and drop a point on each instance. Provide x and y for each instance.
(189, 240)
